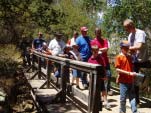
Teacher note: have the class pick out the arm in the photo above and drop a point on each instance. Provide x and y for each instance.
(103, 49)
(125, 72)
(106, 46)
(136, 47)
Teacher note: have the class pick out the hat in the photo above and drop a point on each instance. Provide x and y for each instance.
(83, 28)
(124, 44)
(58, 33)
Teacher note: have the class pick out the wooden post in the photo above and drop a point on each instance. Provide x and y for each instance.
(90, 92)
(33, 61)
(39, 67)
(64, 75)
(96, 101)
(49, 68)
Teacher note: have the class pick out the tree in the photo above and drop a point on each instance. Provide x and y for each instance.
(137, 10)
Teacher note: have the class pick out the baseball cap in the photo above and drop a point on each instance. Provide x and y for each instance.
(124, 44)
(84, 28)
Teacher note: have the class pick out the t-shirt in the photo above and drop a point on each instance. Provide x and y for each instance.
(38, 42)
(124, 62)
(102, 43)
(84, 47)
(98, 60)
(139, 37)
(56, 47)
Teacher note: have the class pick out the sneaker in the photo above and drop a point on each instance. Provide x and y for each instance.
(77, 87)
(110, 93)
(107, 106)
(85, 86)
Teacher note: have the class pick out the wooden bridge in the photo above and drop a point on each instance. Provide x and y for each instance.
(49, 97)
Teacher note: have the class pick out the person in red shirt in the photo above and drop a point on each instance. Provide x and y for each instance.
(97, 58)
(103, 45)
(124, 67)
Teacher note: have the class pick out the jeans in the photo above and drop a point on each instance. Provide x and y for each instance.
(84, 75)
(108, 75)
(127, 90)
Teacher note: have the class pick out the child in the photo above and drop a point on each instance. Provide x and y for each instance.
(123, 64)
(76, 56)
(96, 58)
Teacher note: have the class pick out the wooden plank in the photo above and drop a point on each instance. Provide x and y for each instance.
(36, 83)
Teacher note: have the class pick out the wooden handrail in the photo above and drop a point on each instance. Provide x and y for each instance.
(95, 71)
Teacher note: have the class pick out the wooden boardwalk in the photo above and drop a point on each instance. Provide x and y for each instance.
(51, 98)
(44, 96)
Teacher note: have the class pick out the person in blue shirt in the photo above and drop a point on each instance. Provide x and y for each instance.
(83, 41)
(38, 42)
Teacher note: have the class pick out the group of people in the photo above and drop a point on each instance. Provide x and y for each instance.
(132, 57)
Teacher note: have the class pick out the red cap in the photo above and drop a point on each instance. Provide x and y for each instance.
(83, 28)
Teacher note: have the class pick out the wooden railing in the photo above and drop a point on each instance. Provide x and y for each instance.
(95, 74)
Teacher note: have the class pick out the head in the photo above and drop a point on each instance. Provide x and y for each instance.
(44, 45)
(84, 31)
(75, 46)
(75, 34)
(67, 49)
(124, 47)
(98, 32)
(40, 34)
(129, 25)
(58, 35)
(95, 50)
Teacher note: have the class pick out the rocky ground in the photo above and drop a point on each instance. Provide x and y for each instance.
(15, 95)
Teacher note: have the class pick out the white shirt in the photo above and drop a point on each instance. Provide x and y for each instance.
(140, 37)
(56, 46)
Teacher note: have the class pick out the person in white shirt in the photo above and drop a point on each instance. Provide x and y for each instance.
(57, 45)
(138, 48)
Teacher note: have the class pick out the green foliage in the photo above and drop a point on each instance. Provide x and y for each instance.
(9, 60)
(74, 17)
(137, 10)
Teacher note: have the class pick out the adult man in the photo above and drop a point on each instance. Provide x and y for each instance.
(83, 41)
(138, 47)
(103, 45)
(57, 45)
(38, 42)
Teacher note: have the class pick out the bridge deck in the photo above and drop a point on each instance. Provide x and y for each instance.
(46, 95)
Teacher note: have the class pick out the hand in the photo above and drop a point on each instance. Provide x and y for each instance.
(132, 73)
(117, 80)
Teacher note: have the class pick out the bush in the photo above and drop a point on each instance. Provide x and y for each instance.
(9, 60)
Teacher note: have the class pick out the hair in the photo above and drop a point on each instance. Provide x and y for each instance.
(128, 22)
(75, 33)
(96, 29)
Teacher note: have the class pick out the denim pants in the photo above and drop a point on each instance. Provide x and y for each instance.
(84, 75)
(127, 90)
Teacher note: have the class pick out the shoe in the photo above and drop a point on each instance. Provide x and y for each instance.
(107, 106)
(138, 105)
(110, 93)
(77, 87)
(72, 84)
(85, 86)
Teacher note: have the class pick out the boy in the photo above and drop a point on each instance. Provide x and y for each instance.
(96, 58)
(125, 78)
